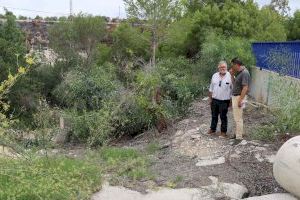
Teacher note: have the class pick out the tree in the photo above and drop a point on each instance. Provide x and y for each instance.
(38, 17)
(282, 6)
(194, 5)
(157, 15)
(130, 42)
(51, 18)
(293, 26)
(22, 17)
(234, 19)
(79, 36)
(269, 26)
(12, 47)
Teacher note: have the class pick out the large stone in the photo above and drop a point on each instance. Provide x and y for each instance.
(214, 191)
(6, 151)
(286, 166)
(210, 161)
(274, 197)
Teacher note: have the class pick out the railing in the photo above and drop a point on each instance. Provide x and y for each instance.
(281, 57)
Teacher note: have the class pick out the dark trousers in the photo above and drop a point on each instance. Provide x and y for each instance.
(219, 107)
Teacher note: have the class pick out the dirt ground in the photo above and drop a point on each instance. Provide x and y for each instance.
(185, 144)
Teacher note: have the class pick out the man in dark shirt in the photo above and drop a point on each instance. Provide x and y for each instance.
(241, 82)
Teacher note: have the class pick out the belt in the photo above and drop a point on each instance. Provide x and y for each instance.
(221, 100)
(236, 95)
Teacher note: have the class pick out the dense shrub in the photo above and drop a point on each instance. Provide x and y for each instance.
(85, 89)
(218, 47)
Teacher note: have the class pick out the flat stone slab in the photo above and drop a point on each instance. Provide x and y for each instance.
(211, 192)
(278, 196)
(209, 162)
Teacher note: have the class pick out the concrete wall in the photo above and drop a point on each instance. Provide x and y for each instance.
(266, 84)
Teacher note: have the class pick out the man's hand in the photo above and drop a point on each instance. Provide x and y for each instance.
(240, 103)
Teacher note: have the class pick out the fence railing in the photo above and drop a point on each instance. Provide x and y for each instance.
(281, 57)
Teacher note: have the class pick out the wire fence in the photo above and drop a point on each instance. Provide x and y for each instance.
(281, 57)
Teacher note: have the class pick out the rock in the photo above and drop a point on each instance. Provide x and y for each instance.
(244, 142)
(254, 143)
(166, 145)
(234, 156)
(192, 132)
(211, 161)
(203, 128)
(60, 137)
(179, 133)
(273, 197)
(270, 158)
(55, 151)
(205, 98)
(286, 166)
(258, 157)
(6, 151)
(260, 149)
(194, 137)
(214, 191)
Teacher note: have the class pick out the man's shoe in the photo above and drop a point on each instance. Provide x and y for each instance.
(223, 134)
(211, 132)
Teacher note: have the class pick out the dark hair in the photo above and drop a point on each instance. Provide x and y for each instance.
(236, 60)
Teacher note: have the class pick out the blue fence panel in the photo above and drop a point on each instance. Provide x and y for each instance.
(281, 57)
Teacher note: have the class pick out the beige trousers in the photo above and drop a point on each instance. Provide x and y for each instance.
(238, 117)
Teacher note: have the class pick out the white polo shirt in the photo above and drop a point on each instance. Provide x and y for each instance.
(221, 87)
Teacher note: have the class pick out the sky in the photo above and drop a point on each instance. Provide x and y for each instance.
(110, 8)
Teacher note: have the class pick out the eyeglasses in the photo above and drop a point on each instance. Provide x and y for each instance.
(220, 82)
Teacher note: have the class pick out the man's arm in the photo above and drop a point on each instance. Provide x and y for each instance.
(243, 94)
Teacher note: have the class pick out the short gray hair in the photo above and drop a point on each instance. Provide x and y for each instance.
(222, 63)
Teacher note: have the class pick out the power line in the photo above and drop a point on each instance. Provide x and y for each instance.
(37, 11)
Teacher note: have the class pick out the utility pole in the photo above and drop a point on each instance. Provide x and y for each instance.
(71, 8)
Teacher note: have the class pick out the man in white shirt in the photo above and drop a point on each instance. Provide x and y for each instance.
(219, 98)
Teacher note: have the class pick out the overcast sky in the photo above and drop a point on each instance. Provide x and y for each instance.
(110, 8)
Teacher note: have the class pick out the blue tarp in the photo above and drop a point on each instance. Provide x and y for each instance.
(281, 57)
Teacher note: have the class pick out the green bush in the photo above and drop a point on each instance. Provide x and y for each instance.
(85, 90)
(217, 48)
(182, 81)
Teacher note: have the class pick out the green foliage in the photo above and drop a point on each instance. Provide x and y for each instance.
(177, 34)
(12, 47)
(293, 26)
(182, 81)
(81, 35)
(126, 163)
(153, 147)
(287, 99)
(48, 178)
(130, 43)
(235, 19)
(157, 15)
(86, 89)
(270, 26)
(217, 48)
